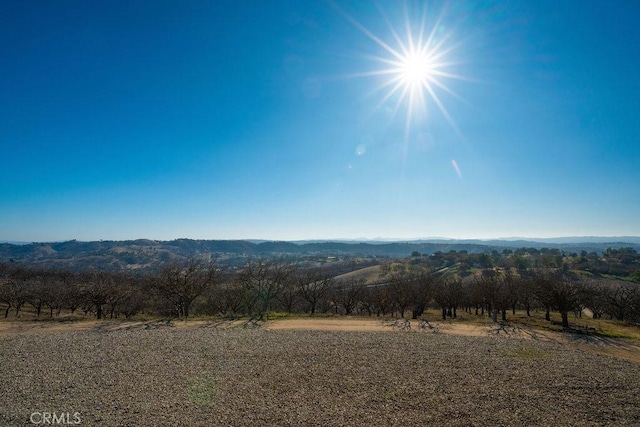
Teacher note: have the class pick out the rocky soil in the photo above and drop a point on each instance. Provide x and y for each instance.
(155, 374)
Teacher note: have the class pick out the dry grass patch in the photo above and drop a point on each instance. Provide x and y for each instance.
(368, 275)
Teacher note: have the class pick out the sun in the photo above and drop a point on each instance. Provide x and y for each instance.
(416, 65)
(415, 69)
(414, 72)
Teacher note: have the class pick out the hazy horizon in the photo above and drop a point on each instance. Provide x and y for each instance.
(551, 240)
(289, 120)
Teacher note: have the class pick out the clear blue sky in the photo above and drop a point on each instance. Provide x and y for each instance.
(266, 119)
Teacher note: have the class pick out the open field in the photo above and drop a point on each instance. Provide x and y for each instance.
(367, 275)
(325, 371)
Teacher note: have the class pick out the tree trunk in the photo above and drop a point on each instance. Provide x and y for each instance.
(504, 314)
(99, 311)
(444, 313)
(185, 309)
(547, 314)
(565, 319)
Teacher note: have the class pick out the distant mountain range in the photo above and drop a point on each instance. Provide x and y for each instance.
(502, 241)
(575, 239)
(145, 254)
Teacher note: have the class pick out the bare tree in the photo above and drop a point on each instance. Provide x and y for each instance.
(97, 287)
(382, 300)
(44, 291)
(366, 300)
(264, 281)
(347, 294)
(448, 294)
(126, 296)
(525, 289)
(70, 291)
(543, 291)
(512, 288)
(495, 292)
(314, 286)
(561, 291)
(595, 298)
(6, 296)
(456, 296)
(230, 297)
(401, 290)
(289, 296)
(421, 292)
(181, 283)
(16, 288)
(621, 299)
(35, 292)
(567, 296)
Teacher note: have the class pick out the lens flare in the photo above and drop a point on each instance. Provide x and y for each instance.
(456, 168)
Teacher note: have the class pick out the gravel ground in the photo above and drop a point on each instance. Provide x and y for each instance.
(157, 376)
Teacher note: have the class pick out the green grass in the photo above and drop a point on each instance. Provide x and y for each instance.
(393, 394)
(202, 390)
(612, 334)
(622, 278)
(596, 327)
(526, 353)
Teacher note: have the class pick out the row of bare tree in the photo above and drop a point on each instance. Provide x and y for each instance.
(184, 288)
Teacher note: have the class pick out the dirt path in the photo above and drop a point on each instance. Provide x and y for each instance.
(42, 327)
(34, 327)
(327, 324)
(616, 347)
